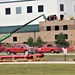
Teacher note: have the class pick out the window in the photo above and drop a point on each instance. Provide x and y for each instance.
(48, 28)
(61, 7)
(40, 8)
(56, 27)
(56, 36)
(29, 9)
(74, 8)
(61, 17)
(66, 36)
(49, 45)
(65, 27)
(18, 46)
(14, 39)
(7, 11)
(18, 10)
(0, 45)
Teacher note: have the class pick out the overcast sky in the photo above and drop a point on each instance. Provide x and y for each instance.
(7, 0)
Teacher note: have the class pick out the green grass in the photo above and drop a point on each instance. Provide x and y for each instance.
(59, 57)
(39, 69)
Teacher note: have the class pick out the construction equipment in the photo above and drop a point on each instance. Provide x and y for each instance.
(10, 33)
(52, 17)
(21, 58)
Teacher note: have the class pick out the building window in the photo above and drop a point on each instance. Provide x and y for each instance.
(14, 39)
(74, 8)
(40, 8)
(56, 27)
(18, 10)
(65, 27)
(61, 17)
(29, 9)
(56, 36)
(66, 36)
(7, 11)
(48, 28)
(61, 7)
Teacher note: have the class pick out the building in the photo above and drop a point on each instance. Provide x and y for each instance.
(20, 12)
(51, 29)
(17, 13)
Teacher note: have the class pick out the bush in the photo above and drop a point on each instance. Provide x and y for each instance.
(36, 43)
(61, 40)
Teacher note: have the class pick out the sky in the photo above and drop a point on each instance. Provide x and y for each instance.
(7, 0)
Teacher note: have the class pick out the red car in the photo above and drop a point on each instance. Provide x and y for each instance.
(18, 48)
(48, 48)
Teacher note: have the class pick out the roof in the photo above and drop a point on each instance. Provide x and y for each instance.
(28, 28)
(16, 1)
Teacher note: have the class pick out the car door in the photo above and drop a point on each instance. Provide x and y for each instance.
(47, 48)
(18, 48)
(42, 48)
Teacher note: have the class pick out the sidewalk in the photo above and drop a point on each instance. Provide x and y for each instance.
(40, 62)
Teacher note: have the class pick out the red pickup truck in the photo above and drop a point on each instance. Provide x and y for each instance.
(18, 48)
(48, 48)
(2, 48)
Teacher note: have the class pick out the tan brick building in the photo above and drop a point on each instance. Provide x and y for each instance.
(14, 14)
(47, 30)
(50, 29)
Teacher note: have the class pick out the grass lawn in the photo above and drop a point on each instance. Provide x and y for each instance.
(59, 57)
(39, 69)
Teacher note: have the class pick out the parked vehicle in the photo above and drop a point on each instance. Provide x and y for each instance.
(2, 48)
(18, 48)
(48, 48)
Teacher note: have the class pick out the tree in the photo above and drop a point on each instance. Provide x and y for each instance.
(30, 41)
(61, 40)
(36, 43)
(39, 41)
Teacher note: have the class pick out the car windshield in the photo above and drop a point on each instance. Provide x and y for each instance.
(26, 45)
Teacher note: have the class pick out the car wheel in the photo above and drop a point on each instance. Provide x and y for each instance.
(52, 51)
(8, 52)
